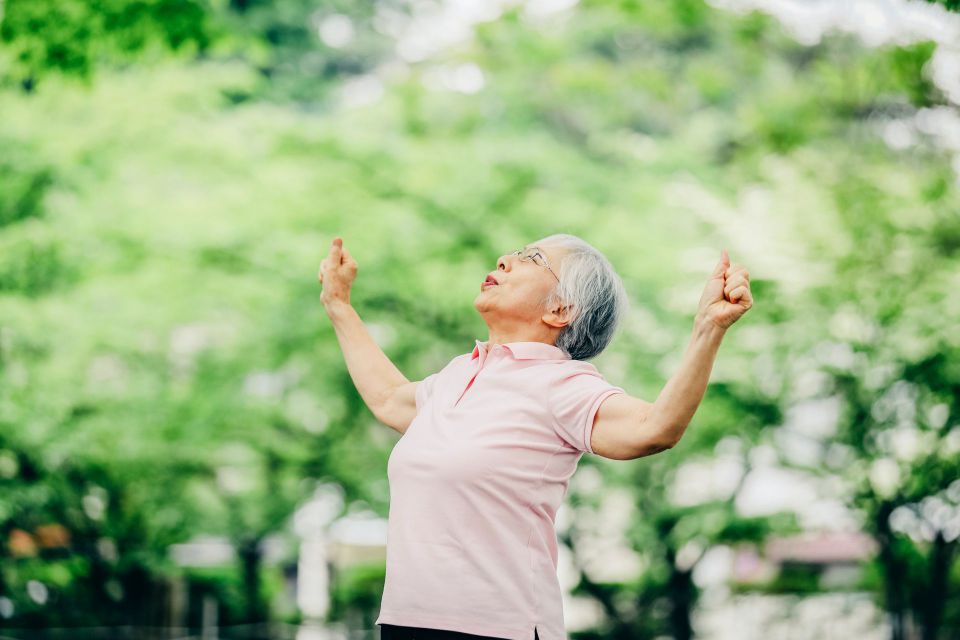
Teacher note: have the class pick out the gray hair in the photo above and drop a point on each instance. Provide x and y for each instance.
(591, 286)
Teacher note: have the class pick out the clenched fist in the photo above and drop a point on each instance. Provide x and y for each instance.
(727, 295)
(337, 272)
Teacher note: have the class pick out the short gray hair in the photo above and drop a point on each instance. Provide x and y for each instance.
(589, 283)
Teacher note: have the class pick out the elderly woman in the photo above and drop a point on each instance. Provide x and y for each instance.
(490, 441)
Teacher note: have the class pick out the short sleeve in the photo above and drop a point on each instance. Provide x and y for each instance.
(574, 401)
(425, 390)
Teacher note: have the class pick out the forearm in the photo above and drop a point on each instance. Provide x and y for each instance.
(374, 375)
(680, 397)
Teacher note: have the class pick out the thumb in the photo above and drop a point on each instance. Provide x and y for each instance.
(335, 249)
(723, 265)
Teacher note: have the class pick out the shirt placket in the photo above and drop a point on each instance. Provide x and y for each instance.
(481, 361)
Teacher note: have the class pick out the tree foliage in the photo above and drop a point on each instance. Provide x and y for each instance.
(166, 369)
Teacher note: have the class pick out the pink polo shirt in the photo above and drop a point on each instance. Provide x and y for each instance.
(475, 484)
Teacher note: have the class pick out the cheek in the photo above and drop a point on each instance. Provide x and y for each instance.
(529, 298)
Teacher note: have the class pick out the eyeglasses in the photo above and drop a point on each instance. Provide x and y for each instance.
(533, 254)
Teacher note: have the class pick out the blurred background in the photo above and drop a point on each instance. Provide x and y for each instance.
(182, 451)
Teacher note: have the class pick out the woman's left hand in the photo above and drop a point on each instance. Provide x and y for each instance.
(727, 295)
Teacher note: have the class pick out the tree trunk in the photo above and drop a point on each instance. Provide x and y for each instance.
(250, 561)
(893, 571)
(941, 558)
(682, 593)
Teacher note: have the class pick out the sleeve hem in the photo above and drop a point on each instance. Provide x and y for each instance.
(588, 427)
(423, 391)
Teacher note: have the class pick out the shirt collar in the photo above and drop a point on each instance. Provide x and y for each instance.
(525, 350)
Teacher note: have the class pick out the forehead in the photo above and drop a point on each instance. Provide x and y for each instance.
(546, 249)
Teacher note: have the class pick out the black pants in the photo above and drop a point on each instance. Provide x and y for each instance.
(393, 632)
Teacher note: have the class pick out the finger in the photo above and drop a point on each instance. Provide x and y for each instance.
(737, 269)
(723, 265)
(346, 256)
(336, 250)
(733, 284)
(741, 294)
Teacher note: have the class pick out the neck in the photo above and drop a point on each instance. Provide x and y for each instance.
(501, 336)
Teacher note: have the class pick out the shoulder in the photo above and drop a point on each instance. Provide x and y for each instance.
(456, 363)
(571, 378)
(462, 359)
(570, 368)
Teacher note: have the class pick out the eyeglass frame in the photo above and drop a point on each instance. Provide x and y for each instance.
(525, 255)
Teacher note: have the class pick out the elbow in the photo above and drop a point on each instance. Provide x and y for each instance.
(651, 446)
(670, 436)
(669, 442)
(666, 444)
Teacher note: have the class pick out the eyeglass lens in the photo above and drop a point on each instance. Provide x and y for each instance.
(531, 254)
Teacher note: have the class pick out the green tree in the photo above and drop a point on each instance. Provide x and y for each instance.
(163, 353)
(73, 36)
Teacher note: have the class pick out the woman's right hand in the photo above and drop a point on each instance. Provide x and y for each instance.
(337, 272)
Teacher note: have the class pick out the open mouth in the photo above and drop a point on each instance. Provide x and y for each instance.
(489, 282)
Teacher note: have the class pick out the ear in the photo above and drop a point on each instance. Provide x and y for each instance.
(558, 317)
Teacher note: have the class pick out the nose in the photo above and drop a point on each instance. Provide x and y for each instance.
(502, 262)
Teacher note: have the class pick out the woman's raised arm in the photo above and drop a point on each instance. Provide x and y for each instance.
(384, 389)
(625, 427)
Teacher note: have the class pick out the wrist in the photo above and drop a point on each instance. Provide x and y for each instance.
(704, 327)
(336, 307)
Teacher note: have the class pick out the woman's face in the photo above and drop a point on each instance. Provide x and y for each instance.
(521, 287)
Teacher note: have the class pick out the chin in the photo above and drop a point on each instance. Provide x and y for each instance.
(480, 305)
